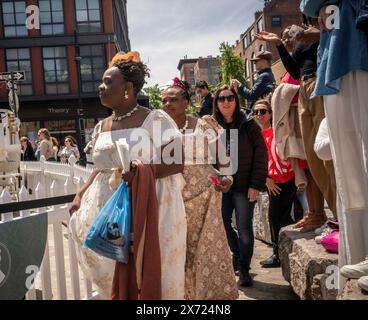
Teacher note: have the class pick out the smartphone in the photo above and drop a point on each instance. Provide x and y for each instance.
(215, 181)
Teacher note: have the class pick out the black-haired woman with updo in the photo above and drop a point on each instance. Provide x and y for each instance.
(143, 130)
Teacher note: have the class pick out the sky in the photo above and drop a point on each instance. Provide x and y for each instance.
(164, 31)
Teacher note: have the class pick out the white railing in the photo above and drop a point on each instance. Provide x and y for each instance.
(46, 173)
(59, 276)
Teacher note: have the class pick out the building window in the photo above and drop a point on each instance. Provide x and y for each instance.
(245, 42)
(252, 65)
(51, 17)
(92, 67)
(276, 21)
(14, 18)
(55, 67)
(252, 35)
(20, 60)
(260, 25)
(88, 15)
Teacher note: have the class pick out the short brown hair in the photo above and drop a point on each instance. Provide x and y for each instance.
(264, 102)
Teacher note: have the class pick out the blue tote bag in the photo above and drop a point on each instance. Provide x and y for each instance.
(110, 231)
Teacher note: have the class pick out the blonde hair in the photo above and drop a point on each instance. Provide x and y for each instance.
(45, 132)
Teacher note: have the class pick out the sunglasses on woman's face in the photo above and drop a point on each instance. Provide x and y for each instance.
(261, 112)
(228, 98)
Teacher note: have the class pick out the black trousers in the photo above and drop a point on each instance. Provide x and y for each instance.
(279, 212)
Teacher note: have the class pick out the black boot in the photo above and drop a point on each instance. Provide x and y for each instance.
(236, 265)
(245, 279)
(271, 262)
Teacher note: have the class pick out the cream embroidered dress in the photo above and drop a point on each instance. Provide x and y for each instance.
(209, 272)
(172, 220)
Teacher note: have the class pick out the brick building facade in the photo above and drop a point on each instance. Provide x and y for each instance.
(275, 17)
(186, 68)
(51, 97)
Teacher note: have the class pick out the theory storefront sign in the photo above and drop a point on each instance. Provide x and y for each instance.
(48, 112)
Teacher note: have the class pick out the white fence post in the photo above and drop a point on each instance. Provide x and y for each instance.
(69, 187)
(5, 197)
(55, 179)
(40, 194)
(24, 196)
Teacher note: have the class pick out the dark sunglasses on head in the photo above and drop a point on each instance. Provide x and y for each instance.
(261, 112)
(228, 98)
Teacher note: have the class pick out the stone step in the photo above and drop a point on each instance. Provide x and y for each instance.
(311, 271)
(352, 291)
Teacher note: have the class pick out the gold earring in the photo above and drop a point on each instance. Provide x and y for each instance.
(126, 95)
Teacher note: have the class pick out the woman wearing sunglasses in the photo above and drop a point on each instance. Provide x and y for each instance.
(249, 178)
(280, 182)
(70, 148)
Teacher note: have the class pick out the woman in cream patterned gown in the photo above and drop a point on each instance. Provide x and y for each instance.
(209, 273)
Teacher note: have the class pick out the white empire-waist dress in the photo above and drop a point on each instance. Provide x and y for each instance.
(172, 220)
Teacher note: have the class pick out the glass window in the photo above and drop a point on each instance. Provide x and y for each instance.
(92, 66)
(252, 65)
(20, 60)
(251, 33)
(88, 16)
(276, 21)
(51, 17)
(56, 74)
(14, 17)
(260, 25)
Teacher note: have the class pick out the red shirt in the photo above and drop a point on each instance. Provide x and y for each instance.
(279, 170)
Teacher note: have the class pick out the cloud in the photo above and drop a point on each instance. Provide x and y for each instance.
(165, 31)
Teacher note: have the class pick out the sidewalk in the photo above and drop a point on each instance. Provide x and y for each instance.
(269, 284)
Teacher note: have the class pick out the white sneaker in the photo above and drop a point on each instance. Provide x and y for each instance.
(325, 232)
(363, 283)
(320, 229)
(355, 271)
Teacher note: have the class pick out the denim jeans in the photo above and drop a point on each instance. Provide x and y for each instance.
(242, 243)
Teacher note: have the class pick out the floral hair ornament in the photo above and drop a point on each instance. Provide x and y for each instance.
(129, 56)
(177, 83)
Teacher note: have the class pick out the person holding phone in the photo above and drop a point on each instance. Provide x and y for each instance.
(249, 176)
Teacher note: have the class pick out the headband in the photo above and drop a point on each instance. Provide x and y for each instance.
(179, 84)
(129, 56)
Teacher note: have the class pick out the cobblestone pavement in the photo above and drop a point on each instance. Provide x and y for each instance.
(269, 284)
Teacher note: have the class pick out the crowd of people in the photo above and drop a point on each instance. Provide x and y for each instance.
(305, 139)
(48, 147)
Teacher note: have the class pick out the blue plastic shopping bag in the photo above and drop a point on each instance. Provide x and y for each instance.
(109, 232)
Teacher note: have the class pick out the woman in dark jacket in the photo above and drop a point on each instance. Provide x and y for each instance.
(27, 150)
(249, 174)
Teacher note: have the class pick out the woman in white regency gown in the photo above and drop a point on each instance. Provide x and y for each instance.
(172, 221)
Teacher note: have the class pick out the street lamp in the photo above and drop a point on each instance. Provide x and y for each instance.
(81, 133)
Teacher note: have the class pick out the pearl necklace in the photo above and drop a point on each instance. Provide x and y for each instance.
(182, 130)
(115, 118)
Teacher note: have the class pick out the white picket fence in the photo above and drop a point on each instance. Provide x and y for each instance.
(59, 268)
